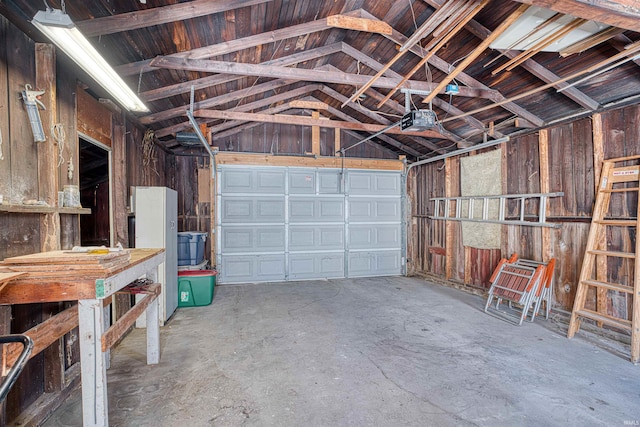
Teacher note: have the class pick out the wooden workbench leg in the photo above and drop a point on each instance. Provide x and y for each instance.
(153, 333)
(95, 410)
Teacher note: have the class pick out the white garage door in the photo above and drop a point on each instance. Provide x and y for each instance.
(287, 223)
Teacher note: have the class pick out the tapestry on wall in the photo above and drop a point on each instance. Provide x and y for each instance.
(481, 176)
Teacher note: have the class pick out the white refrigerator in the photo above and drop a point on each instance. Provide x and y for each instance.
(156, 226)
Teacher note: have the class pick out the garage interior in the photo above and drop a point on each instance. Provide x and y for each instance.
(371, 180)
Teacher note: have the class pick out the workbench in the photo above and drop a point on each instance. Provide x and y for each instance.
(95, 338)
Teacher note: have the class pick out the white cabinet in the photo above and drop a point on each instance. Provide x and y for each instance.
(156, 210)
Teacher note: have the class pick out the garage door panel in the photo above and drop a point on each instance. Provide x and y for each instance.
(316, 266)
(329, 182)
(254, 210)
(302, 182)
(316, 210)
(308, 237)
(301, 238)
(379, 263)
(373, 183)
(254, 181)
(270, 181)
(295, 223)
(374, 210)
(237, 239)
(248, 268)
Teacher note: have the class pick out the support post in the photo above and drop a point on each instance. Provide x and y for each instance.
(93, 363)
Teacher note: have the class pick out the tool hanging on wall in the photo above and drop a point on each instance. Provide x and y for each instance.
(31, 101)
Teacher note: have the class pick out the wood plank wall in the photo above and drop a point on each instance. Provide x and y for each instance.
(296, 140)
(45, 381)
(572, 170)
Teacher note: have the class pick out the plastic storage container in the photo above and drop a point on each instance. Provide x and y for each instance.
(191, 247)
(195, 287)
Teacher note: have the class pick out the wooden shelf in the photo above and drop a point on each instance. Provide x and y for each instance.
(39, 209)
(80, 211)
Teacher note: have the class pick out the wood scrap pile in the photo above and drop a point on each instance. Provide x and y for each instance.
(521, 282)
(61, 264)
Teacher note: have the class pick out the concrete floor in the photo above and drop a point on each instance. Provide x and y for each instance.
(364, 352)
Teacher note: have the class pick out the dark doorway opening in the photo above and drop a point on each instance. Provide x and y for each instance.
(95, 229)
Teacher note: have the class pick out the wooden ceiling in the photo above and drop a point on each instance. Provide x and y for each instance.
(255, 61)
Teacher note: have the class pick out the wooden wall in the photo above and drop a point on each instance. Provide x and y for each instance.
(296, 140)
(29, 171)
(571, 158)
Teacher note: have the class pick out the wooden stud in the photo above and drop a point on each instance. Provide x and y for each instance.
(315, 135)
(449, 237)
(336, 142)
(45, 59)
(601, 261)
(543, 149)
(47, 150)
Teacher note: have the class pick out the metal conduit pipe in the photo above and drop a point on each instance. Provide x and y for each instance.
(459, 152)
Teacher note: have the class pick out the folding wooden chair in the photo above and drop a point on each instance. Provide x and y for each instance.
(515, 283)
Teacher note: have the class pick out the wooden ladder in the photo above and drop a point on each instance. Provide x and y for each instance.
(623, 180)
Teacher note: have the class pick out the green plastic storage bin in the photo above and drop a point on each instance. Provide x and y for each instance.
(195, 287)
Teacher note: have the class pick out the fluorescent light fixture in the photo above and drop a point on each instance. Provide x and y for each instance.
(520, 35)
(58, 27)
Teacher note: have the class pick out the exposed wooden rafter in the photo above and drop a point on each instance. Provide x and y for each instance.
(477, 51)
(304, 121)
(464, 78)
(237, 44)
(436, 46)
(531, 66)
(619, 13)
(273, 71)
(158, 15)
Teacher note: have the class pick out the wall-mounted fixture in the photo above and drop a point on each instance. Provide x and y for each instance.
(58, 27)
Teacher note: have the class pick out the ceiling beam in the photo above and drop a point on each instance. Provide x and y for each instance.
(204, 82)
(477, 51)
(464, 78)
(305, 121)
(284, 96)
(159, 15)
(532, 66)
(212, 102)
(375, 116)
(235, 45)
(619, 13)
(304, 104)
(375, 65)
(384, 138)
(358, 24)
(272, 71)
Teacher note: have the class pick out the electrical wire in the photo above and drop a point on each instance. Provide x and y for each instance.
(58, 133)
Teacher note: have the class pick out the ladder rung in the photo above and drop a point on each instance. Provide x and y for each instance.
(608, 285)
(606, 319)
(613, 253)
(619, 190)
(622, 222)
